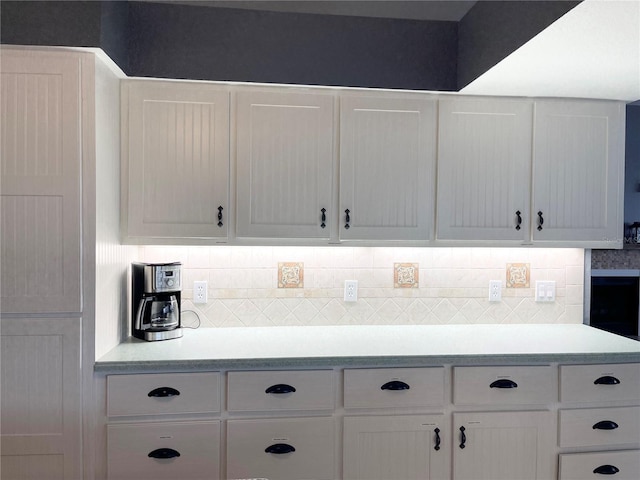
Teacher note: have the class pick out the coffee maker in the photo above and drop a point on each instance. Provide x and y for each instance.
(155, 300)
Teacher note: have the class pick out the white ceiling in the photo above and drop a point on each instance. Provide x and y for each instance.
(593, 51)
(441, 10)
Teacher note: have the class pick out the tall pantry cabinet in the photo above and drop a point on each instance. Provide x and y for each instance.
(48, 258)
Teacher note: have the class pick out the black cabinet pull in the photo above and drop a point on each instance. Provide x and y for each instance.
(437, 432)
(605, 425)
(324, 218)
(504, 383)
(164, 453)
(220, 216)
(347, 218)
(395, 385)
(519, 220)
(463, 438)
(606, 470)
(163, 392)
(280, 388)
(540, 221)
(606, 380)
(279, 448)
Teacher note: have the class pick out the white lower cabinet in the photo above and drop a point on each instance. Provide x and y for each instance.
(515, 445)
(164, 450)
(281, 449)
(621, 465)
(399, 447)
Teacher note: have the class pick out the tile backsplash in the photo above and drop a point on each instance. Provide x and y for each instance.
(447, 285)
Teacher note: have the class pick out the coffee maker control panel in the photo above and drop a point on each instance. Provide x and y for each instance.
(163, 278)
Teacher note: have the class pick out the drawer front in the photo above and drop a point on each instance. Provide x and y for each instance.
(584, 466)
(600, 383)
(283, 449)
(599, 426)
(393, 387)
(191, 451)
(506, 385)
(155, 394)
(280, 390)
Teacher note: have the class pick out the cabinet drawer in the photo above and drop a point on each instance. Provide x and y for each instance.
(192, 451)
(599, 383)
(581, 466)
(599, 426)
(393, 387)
(155, 394)
(504, 385)
(285, 390)
(283, 449)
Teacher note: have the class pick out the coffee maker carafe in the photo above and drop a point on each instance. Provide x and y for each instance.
(155, 300)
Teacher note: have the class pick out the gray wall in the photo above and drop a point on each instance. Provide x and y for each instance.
(632, 169)
(491, 30)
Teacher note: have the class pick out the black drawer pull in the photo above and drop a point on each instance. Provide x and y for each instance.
(463, 438)
(324, 217)
(606, 470)
(504, 383)
(347, 218)
(280, 389)
(437, 432)
(605, 425)
(220, 216)
(607, 380)
(540, 221)
(163, 392)
(280, 448)
(395, 385)
(164, 453)
(519, 220)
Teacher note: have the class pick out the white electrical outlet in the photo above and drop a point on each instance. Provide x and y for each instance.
(350, 290)
(495, 290)
(546, 291)
(200, 291)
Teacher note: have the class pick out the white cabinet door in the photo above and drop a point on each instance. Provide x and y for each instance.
(484, 162)
(399, 447)
(284, 164)
(503, 446)
(175, 161)
(283, 448)
(387, 168)
(40, 105)
(41, 398)
(578, 169)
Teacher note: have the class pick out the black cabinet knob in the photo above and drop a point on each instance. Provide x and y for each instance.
(280, 448)
(163, 392)
(395, 385)
(280, 388)
(164, 453)
(606, 470)
(607, 380)
(605, 425)
(503, 383)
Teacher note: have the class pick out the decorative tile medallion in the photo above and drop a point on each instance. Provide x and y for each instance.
(518, 275)
(405, 275)
(291, 275)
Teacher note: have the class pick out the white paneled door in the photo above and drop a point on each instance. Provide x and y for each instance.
(578, 169)
(484, 162)
(285, 158)
(387, 168)
(176, 160)
(40, 159)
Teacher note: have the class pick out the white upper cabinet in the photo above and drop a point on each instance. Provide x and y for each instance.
(175, 161)
(41, 157)
(484, 158)
(387, 167)
(578, 170)
(285, 158)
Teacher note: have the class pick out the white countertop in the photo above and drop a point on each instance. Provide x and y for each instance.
(277, 347)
